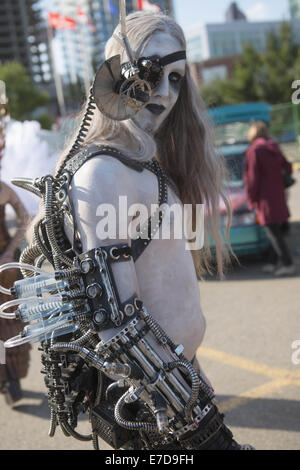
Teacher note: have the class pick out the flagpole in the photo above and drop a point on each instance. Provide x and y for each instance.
(57, 77)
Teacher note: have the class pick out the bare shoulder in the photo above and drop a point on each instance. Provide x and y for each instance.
(102, 170)
(97, 184)
(102, 179)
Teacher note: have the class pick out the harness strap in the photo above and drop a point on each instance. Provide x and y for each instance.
(154, 222)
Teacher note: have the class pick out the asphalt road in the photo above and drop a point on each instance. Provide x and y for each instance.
(252, 321)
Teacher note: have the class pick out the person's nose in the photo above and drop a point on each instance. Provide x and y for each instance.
(163, 89)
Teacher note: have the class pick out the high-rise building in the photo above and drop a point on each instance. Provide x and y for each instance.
(295, 9)
(23, 38)
(82, 49)
(211, 41)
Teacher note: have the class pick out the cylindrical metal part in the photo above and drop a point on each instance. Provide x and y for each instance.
(162, 422)
(123, 370)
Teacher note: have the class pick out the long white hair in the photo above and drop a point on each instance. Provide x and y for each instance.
(183, 145)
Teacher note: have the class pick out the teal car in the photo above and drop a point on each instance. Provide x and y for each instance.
(246, 235)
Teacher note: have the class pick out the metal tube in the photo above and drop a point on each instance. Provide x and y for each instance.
(145, 347)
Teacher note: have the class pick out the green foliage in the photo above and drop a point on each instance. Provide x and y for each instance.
(22, 95)
(257, 76)
(217, 93)
(45, 120)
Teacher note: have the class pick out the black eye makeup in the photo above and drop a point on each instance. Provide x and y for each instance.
(175, 78)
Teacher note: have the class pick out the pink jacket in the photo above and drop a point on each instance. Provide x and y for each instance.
(263, 178)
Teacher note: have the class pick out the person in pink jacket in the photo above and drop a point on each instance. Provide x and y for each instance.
(263, 177)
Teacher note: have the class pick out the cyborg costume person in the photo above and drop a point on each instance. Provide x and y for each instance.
(100, 355)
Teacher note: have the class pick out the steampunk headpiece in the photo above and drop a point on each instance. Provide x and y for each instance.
(121, 90)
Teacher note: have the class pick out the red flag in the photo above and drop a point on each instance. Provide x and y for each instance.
(83, 17)
(57, 21)
(146, 5)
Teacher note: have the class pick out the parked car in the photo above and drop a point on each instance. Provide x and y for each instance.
(246, 235)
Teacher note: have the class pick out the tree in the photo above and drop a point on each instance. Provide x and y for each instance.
(247, 76)
(279, 65)
(266, 76)
(22, 95)
(216, 93)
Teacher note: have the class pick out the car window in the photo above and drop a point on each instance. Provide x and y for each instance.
(235, 166)
(232, 133)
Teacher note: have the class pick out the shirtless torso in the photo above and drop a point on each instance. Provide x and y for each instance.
(164, 275)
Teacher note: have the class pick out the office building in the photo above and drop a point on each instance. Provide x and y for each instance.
(210, 41)
(23, 38)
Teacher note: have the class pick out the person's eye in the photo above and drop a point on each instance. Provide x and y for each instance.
(175, 78)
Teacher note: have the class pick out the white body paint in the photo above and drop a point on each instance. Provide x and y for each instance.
(164, 276)
(165, 94)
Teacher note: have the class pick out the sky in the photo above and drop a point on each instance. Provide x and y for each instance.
(191, 12)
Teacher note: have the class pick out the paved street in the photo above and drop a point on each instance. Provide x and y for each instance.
(252, 321)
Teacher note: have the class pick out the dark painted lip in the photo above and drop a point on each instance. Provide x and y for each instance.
(155, 108)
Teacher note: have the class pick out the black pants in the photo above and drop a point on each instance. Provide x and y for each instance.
(279, 252)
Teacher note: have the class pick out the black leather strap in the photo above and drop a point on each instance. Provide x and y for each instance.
(92, 150)
(154, 222)
(175, 57)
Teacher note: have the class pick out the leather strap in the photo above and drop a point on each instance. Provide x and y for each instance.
(169, 59)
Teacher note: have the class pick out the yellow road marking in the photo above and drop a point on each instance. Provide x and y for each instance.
(296, 166)
(253, 394)
(281, 378)
(246, 364)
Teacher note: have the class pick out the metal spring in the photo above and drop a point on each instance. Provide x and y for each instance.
(45, 307)
(40, 261)
(71, 432)
(62, 421)
(89, 335)
(49, 221)
(95, 441)
(89, 113)
(40, 244)
(28, 256)
(58, 224)
(53, 423)
(67, 274)
(132, 425)
(59, 234)
(74, 294)
(58, 257)
(82, 318)
(195, 384)
(162, 336)
(158, 332)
